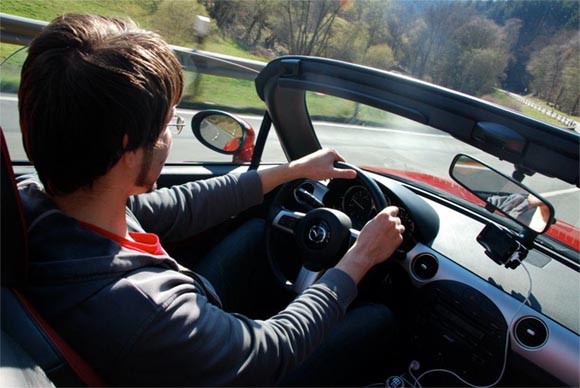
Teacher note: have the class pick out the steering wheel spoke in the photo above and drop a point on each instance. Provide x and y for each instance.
(319, 237)
(305, 279)
(286, 220)
(353, 236)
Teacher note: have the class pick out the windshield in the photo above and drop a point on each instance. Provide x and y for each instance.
(524, 55)
(390, 144)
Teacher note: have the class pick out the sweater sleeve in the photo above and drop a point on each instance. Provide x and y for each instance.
(182, 211)
(193, 343)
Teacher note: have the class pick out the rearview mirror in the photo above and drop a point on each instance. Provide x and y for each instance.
(502, 194)
(224, 133)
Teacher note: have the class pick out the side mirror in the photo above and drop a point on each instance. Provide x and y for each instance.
(503, 194)
(224, 133)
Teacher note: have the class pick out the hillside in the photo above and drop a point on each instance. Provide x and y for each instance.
(140, 11)
(473, 47)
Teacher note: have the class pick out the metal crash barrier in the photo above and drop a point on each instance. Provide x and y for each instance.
(20, 31)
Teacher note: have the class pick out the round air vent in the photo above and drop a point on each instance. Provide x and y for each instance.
(425, 266)
(531, 332)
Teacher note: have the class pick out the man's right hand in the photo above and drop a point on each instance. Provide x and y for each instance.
(376, 243)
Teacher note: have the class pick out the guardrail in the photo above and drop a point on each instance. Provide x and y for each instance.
(569, 123)
(20, 30)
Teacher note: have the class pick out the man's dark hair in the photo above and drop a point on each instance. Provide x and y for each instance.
(89, 80)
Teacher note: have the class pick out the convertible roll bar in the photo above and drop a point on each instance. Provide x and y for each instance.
(20, 31)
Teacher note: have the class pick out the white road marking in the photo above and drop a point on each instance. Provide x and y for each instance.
(559, 192)
(10, 98)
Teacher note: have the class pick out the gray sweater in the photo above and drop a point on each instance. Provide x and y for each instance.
(140, 319)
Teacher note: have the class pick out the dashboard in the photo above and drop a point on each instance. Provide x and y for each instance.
(468, 317)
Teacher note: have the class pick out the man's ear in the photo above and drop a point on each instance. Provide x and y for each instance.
(130, 158)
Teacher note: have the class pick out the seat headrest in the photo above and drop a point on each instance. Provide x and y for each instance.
(14, 247)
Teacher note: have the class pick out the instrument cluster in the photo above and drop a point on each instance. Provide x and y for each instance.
(356, 201)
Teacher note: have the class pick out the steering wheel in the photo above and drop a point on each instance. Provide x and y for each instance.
(313, 237)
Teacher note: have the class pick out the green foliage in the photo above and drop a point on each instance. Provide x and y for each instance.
(222, 91)
(482, 71)
(380, 56)
(555, 72)
(469, 46)
(347, 42)
(227, 46)
(541, 20)
(175, 24)
(322, 107)
(502, 98)
(48, 10)
(10, 74)
(305, 26)
(499, 97)
(175, 21)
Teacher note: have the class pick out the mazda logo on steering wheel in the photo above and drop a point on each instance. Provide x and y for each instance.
(317, 234)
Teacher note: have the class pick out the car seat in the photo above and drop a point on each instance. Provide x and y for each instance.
(32, 353)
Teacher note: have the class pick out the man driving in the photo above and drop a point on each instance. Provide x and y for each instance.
(97, 100)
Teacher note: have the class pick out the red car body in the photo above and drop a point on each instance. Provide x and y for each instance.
(561, 231)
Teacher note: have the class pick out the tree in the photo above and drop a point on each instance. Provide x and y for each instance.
(482, 54)
(397, 21)
(359, 28)
(258, 22)
(481, 71)
(223, 12)
(451, 45)
(374, 22)
(431, 45)
(555, 71)
(346, 43)
(380, 56)
(305, 25)
(471, 46)
(540, 19)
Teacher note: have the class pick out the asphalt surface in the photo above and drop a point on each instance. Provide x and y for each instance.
(416, 148)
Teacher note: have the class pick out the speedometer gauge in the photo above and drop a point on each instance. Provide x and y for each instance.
(409, 224)
(358, 205)
(406, 220)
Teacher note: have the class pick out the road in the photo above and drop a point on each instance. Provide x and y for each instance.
(417, 148)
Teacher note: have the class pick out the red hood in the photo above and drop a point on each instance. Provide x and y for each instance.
(561, 231)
